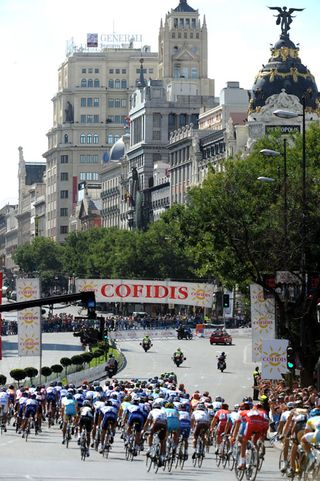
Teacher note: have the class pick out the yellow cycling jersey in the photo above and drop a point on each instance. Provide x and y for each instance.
(313, 423)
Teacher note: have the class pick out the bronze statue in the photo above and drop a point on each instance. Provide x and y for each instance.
(284, 18)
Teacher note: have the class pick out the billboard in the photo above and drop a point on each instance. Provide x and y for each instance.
(274, 358)
(92, 40)
(158, 292)
(262, 320)
(29, 320)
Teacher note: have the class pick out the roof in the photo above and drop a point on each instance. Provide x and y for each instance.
(184, 7)
(238, 118)
(34, 173)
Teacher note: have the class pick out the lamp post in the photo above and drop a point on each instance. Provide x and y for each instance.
(274, 153)
(286, 114)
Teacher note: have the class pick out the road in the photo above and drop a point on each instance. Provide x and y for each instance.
(45, 459)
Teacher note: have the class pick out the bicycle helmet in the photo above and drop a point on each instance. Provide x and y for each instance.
(87, 403)
(156, 405)
(218, 399)
(314, 412)
(201, 407)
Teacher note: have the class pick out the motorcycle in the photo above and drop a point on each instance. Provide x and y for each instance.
(146, 346)
(184, 335)
(222, 364)
(178, 360)
(110, 370)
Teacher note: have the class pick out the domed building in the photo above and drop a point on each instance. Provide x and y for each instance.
(283, 83)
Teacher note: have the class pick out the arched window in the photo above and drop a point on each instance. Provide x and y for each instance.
(83, 82)
(89, 139)
(110, 139)
(90, 82)
(66, 138)
(116, 137)
(123, 84)
(96, 139)
(96, 82)
(111, 84)
(82, 139)
(117, 84)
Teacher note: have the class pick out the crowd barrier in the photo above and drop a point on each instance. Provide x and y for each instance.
(139, 334)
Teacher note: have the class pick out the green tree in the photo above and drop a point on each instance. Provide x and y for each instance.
(65, 362)
(46, 372)
(56, 368)
(18, 374)
(31, 372)
(3, 380)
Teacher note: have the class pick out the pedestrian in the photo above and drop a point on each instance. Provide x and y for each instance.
(256, 380)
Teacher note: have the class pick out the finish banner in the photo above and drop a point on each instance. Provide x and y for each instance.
(29, 320)
(155, 292)
(262, 320)
(274, 358)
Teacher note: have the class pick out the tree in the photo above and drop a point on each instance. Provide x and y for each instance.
(3, 380)
(77, 360)
(31, 372)
(18, 374)
(87, 357)
(65, 362)
(56, 368)
(46, 372)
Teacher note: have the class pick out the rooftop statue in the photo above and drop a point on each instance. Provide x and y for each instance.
(284, 18)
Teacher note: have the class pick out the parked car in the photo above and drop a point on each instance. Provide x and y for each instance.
(220, 337)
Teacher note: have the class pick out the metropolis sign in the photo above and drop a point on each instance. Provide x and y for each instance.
(284, 129)
(158, 292)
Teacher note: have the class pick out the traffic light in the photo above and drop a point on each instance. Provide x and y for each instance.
(290, 358)
(89, 301)
(226, 300)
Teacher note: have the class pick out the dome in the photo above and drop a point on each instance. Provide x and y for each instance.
(184, 7)
(284, 70)
(118, 150)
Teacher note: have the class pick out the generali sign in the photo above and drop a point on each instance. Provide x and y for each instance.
(158, 292)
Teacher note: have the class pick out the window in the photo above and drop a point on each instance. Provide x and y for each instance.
(83, 119)
(96, 139)
(124, 71)
(64, 176)
(150, 70)
(96, 102)
(110, 70)
(110, 139)
(89, 102)
(90, 82)
(82, 139)
(117, 103)
(173, 35)
(96, 82)
(117, 84)
(124, 119)
(181, 22)
(64, 212)
(156, 135)
(194, 72)
(96, 70)
(90, 119)
(187, 22)
(66, 138)
(111, 84)
(123, 84)
(193, 23)
(116, 137)
(110, 103)
(63, 159)
(89, 176)
(191, 35)
(124, 103)
(64, 194)
(83, 82)
(84, 70)
(96, 119)
(117, 119)
(156, 120)
(88, 159)
(83, 102)
(63, 229)
(89, 139)
(90, 70)
(197, 35)
(117, 70)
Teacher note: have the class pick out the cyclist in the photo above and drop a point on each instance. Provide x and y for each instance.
(4, 407)
(68, 412)
(51, 400)
(185, 425)
(31, 410)
(109, 414)
(220, 420)
(86, 421)
(135, 415)
(200, 423)
(173, 424)
(312, 436)
(157, 421)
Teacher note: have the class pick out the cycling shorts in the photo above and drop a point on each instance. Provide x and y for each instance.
(86, 422)
(173, 424)
(108, 418)
(312, 438)
(185, 428)
(30, 411)
(51, 397)
(221, 427)
(258, 428)
(137, 419)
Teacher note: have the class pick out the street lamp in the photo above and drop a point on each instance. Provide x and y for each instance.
(275, 153)
(285, 114)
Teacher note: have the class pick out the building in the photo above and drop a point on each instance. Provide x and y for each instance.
(8, 222)
(89, 114)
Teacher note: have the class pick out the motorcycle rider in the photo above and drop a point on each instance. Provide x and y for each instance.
(146, 341)
(112, 365)
(221, 359)
(178, 355)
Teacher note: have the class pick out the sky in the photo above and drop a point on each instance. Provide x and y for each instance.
(33, 41)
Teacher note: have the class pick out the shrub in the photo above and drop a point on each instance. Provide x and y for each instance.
(18, 374)
(46, 371)
(56, 368)
(3, 380)
(31, 372)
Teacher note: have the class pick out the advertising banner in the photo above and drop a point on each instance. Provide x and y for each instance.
(262, 320)
(155, 292)
(29, 320)
(274, 358)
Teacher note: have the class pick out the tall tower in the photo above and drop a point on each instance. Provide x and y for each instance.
(183, 51)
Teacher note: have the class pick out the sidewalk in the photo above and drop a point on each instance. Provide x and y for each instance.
(55, 346)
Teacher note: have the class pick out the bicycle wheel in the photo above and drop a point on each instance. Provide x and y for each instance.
(170, 458)
(149, 461)
(156, 459)
(201, 453)
(68, 436)
(238, 472)
(27, 432)
(226, 455)
(252, 469)
(261, 451)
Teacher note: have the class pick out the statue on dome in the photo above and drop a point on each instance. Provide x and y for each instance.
(285, 17)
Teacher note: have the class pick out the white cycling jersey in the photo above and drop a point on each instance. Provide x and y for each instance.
(200, 416)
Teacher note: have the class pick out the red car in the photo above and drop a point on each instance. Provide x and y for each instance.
(220, 337)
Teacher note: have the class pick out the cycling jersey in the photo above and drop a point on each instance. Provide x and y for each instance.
(313, 423)
(200, 416)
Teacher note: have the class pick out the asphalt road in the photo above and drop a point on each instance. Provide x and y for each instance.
(43, 458)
